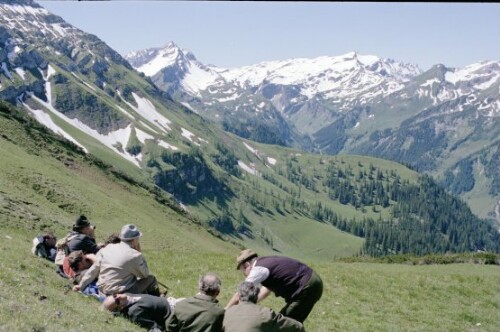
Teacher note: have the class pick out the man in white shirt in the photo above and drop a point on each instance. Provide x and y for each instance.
(286, 277)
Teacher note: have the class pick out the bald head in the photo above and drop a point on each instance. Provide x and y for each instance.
(209, 284)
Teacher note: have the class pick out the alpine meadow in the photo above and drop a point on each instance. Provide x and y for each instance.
(84, 131)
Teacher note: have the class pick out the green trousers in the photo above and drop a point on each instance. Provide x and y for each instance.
(300, 307)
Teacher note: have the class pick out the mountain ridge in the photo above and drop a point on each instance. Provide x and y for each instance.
(356, 111)
(259, 195)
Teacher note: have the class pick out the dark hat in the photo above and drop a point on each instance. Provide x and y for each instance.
(129, 232)
(81, 223)
(245, 255)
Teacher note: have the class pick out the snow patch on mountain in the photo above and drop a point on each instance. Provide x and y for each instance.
(142, 136)
(481, 73)
(197, 79)
(271, 161)
(47, 121)
(147, 110)
(167, 146)
(249, 169)
(114, 140)
(20, 72)
(254, 151)
(189, 135)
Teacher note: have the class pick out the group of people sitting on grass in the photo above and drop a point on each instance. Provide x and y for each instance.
(116, 273)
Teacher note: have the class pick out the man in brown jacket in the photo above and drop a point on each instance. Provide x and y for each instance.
(200, 313)
(247, 316)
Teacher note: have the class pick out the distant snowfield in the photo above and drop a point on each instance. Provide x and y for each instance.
(254, 151)
(146, 109)
(474, 72)
(247, 168)
(271, 161)
(189, 135)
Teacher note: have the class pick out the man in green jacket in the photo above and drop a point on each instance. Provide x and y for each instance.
(200, 313)
(247, 316)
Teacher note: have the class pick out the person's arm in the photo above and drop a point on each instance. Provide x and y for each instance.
(233, 301)
(263, 293)
(90, 275)
(139, 267)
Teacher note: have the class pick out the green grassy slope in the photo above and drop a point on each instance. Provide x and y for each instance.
(44, 185)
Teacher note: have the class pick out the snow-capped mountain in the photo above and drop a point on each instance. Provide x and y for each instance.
(341, 78)
(352, 103)
(177, 68)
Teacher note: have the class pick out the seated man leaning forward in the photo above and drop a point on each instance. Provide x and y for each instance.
(296, 282)
(247, 316)
(146, 310)
(201, 312)
(120, 267)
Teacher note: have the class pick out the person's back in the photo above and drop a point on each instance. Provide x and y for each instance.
(247, 316)
(250, 317)
(200, 313)
(121, 267)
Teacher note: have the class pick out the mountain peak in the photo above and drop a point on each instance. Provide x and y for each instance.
(152, 60)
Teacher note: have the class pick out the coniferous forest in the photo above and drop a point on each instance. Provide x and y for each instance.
(423, 218)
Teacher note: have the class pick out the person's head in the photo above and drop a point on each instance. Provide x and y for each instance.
(244, 261)
(130, 234)
(49, 239)
(78, 261)
(113, 238)
(209, 284)
(115, 303)
(83, 226)
(248, 292)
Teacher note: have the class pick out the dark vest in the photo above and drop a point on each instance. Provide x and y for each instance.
(287, 276)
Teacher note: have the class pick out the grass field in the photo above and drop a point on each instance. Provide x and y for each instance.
(357, 296)
(43, 186)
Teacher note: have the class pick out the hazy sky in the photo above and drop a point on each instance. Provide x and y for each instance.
(232, 34)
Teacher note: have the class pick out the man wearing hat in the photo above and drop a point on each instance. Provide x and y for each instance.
(288, 278)
(83, 238)
(120, 267)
